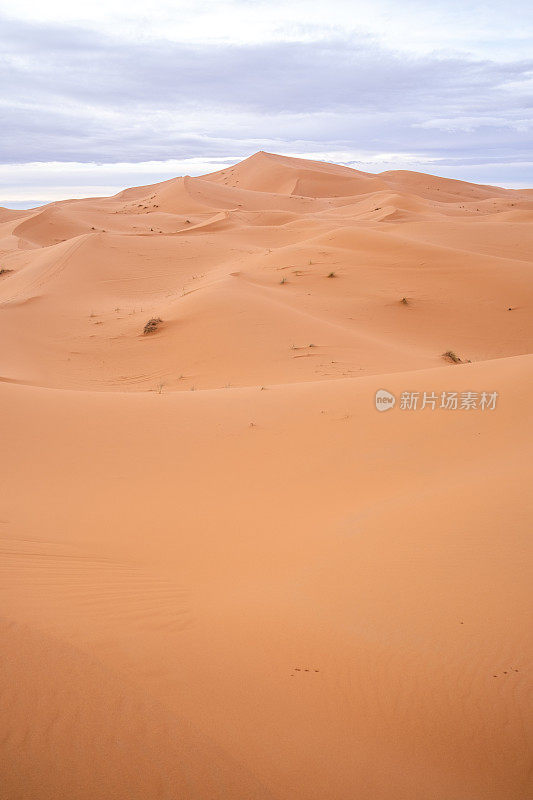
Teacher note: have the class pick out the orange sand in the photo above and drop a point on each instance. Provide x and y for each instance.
(264, 589)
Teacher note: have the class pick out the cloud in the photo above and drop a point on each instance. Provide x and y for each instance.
(59, 62)
(470, 124)
(79, 95)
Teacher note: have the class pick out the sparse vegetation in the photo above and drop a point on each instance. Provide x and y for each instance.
(451, 356)
(283, 280)
(5, 271)
(152, 325)
(332, 275)
(404, 301)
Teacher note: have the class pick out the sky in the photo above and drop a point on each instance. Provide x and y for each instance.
(98, 97)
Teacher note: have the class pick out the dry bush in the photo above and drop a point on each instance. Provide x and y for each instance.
(152, 325)
(451, 356)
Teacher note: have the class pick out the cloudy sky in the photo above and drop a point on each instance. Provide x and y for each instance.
(96, 97)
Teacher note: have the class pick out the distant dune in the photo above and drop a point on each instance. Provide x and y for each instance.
(224, 573)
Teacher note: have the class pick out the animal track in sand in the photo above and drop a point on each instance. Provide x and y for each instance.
(506, 672)
(303, 669)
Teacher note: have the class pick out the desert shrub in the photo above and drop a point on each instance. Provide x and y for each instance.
(152, 325)
(451, 356)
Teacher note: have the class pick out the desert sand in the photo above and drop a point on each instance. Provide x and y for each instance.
(225, 574)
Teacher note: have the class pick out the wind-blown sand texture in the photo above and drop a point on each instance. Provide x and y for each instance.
(264, 589)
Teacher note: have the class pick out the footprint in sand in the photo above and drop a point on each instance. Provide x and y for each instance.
(304, 669)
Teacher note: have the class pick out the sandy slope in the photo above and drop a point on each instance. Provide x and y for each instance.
(265, 588)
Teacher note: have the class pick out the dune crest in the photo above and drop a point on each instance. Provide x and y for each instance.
(252, 245)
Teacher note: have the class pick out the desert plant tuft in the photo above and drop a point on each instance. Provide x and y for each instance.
(404, 301)
(5, 271)
(451, 356)
(283, 280)
(332, 275)
(152, 325)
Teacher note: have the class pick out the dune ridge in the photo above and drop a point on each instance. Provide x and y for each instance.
(224, 573)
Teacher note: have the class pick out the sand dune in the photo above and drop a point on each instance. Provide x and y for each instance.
(264, 588)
